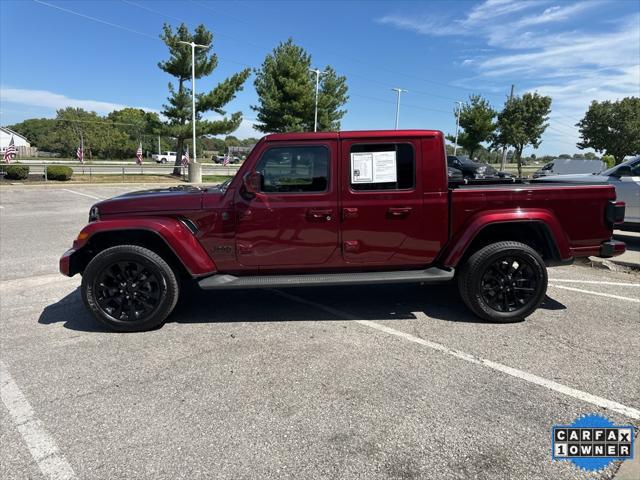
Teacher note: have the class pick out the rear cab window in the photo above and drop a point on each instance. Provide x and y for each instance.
(382, 166)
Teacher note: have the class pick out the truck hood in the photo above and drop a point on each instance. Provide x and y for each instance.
(165, 200)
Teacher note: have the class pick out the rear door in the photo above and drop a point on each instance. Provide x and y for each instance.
(382, 207)
(293, 220)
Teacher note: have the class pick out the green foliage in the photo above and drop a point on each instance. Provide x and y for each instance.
(522, 122)
(178, 108)
(476, 124)
(612, 127)
(59, 172)
(16, 172)
(610, 160)
(39, 131)
(286, 93)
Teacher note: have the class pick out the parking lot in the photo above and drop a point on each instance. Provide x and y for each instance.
(333, 382)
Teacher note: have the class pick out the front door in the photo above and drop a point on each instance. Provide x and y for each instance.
(293, 219)
(382, 205)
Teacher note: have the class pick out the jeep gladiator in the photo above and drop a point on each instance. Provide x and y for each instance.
(337, 209)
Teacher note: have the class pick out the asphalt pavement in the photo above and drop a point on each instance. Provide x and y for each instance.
(350, 382)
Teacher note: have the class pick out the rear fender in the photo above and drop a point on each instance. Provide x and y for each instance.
(173, 232)
(462, 239)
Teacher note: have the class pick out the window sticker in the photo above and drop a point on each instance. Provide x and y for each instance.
(373, 167)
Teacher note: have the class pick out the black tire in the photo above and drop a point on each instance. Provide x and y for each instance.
(164, 160)
(494, 291)
(129, 288)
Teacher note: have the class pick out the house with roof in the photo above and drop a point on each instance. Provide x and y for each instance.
(23, 146)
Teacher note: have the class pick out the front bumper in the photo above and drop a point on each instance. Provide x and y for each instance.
(612, 248)
(65, 262)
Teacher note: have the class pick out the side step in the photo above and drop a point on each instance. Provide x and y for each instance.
(223, 281)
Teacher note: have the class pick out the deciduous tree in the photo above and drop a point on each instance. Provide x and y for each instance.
(476, 123)
(612, 127)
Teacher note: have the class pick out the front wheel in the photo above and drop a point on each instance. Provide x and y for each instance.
(503, 282)
(129, 288)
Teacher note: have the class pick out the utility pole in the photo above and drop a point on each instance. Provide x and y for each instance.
(455, 147)
(315, 118)
(195, 177)
(504, 152)
(398, 91)
(159, 153)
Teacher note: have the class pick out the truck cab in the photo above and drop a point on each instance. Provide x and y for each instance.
(336, 209)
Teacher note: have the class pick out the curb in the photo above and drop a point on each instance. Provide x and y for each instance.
(613, 265)
(630, 469)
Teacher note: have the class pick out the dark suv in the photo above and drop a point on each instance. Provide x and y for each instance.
(471, 169)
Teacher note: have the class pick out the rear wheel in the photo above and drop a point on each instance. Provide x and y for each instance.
(129, 288)
(503, 282)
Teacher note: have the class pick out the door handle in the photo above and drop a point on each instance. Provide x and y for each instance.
(399, 211)
(349, 212)
(320, 214)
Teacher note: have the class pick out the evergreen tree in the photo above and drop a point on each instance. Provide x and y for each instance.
(178, 109)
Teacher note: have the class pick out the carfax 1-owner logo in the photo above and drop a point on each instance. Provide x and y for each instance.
(592, 442)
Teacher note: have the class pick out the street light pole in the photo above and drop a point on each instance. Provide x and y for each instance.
(193, 93)
(455, 147)
(398, 91)
(315, 118)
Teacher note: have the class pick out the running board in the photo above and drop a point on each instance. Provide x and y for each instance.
(223, 281)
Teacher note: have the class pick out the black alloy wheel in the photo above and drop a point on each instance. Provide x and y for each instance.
(503, 281)
(129, 288)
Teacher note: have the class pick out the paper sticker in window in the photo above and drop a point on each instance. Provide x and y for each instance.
(373, 167)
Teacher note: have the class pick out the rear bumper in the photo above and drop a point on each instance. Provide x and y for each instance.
(612, 248)
(65, 262)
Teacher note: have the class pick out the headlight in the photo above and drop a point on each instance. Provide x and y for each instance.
(94, 214)
(482, 169)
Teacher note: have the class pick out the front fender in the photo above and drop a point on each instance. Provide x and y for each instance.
(173, 232)
(472, 228)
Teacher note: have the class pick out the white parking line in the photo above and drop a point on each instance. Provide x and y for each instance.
(80, 193)
(514, 372)
(41, 445)
(599, 294)
(595, 282)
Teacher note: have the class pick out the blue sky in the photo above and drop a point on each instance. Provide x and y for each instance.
(102, 55)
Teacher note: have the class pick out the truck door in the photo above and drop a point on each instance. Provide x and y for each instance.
(293, 220)
(382, 217)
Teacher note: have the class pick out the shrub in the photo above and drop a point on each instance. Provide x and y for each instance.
(16, 172)
(59, 172)
(609, 160)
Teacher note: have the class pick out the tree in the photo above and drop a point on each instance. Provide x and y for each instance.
(286, 93)
(476, 122)
(139, 126)
(612, 127)
(522, 122)
(178, 109)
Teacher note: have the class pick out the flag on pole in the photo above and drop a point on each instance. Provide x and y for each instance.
(227, 160)
(10, 151)
(139, 155)
(185, 157)
(80, 152)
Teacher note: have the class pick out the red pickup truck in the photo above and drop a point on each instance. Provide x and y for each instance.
(337, 209)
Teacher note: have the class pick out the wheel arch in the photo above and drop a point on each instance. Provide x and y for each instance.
(540, 230)
(167, 237)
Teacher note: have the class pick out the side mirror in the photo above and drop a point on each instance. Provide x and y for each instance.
(251, 183)
(623, 171)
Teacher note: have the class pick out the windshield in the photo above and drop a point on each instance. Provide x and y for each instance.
(632, 162)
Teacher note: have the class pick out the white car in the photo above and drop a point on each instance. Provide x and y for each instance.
(164, 157)
(625, 177)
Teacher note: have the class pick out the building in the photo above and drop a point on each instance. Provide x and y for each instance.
(23, 147)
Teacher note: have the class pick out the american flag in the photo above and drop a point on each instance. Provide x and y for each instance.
(227, 160)
(185, 158)
(80, 153)
(10, 151)
(139, 155)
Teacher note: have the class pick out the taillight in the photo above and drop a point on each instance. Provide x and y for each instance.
(615, 213)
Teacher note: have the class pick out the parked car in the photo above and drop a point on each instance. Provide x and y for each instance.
(338, 208)
(220, 159)
(626, 180)
(454, 175)
(569, 166)
(164, 157)
(471, 168)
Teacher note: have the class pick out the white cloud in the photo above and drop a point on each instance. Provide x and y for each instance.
(573, 63)
(46, 99)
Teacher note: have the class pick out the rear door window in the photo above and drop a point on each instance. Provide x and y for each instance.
(382, 166)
